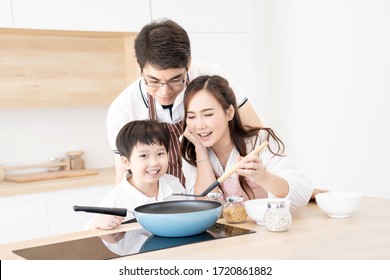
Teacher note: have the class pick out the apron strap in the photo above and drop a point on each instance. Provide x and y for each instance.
(174, 130)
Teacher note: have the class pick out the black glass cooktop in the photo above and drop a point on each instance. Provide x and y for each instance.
(123, 243)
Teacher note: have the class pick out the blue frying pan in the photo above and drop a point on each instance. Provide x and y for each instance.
(176, 218)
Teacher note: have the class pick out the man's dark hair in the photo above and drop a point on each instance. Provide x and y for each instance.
(163, 44)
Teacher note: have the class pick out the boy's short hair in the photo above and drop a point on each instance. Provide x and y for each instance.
(147, 132)
(162, 44)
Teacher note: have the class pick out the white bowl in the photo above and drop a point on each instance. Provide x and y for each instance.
(338, 204)
(256, 208)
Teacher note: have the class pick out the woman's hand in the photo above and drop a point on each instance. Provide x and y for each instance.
(251, 167)
(201, 151)
(191, 137)
(106, 222)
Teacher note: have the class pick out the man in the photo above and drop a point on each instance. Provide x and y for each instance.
(163, 52)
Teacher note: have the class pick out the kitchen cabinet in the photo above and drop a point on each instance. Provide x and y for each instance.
(62, 218)
(206, 15)
(5, 13)
(91, 15)
(44, 214)
(52, 68)
(22, 218)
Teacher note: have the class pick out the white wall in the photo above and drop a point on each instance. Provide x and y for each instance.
(262, 100)
(6, 19)
(32, 136)
(221, 32)
(318, 72)
(330, 80)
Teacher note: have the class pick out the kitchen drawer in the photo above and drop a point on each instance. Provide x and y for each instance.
(44, 214)
(62, 218)
(23, 219)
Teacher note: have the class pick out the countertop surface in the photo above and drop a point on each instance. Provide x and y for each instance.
(312, 235)
(106, 176)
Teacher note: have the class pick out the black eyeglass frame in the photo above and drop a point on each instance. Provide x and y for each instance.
(170, 84)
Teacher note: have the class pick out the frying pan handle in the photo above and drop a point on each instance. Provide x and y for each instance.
(209, 189)
(228, 173)
(102, 210)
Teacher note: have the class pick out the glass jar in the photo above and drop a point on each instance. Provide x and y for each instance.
(216, 196)
(55, 167)
(76, 161)
(277, 217)
(234, 210)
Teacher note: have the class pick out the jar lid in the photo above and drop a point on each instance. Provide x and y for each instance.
(276, 204)
(73, 154)
(214, 195)
(234, 198)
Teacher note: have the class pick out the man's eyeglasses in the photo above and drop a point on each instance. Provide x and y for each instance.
(170, 84)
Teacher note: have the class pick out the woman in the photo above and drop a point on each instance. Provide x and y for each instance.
(215, 139)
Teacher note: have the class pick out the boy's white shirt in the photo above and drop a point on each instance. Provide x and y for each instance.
(125, 195)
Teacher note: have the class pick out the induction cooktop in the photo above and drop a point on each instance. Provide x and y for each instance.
(124, 243)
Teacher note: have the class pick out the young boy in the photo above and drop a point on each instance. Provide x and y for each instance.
(143, 148)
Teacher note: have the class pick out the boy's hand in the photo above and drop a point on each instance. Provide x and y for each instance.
(106, 222)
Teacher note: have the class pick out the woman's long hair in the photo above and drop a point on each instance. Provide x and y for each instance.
(219, 88)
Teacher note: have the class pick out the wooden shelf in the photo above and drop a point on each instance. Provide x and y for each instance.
(48, 68)
(106, 176)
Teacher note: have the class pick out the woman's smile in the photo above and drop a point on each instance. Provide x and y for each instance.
(205, 136)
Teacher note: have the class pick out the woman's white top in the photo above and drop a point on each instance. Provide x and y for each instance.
(300, 188)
